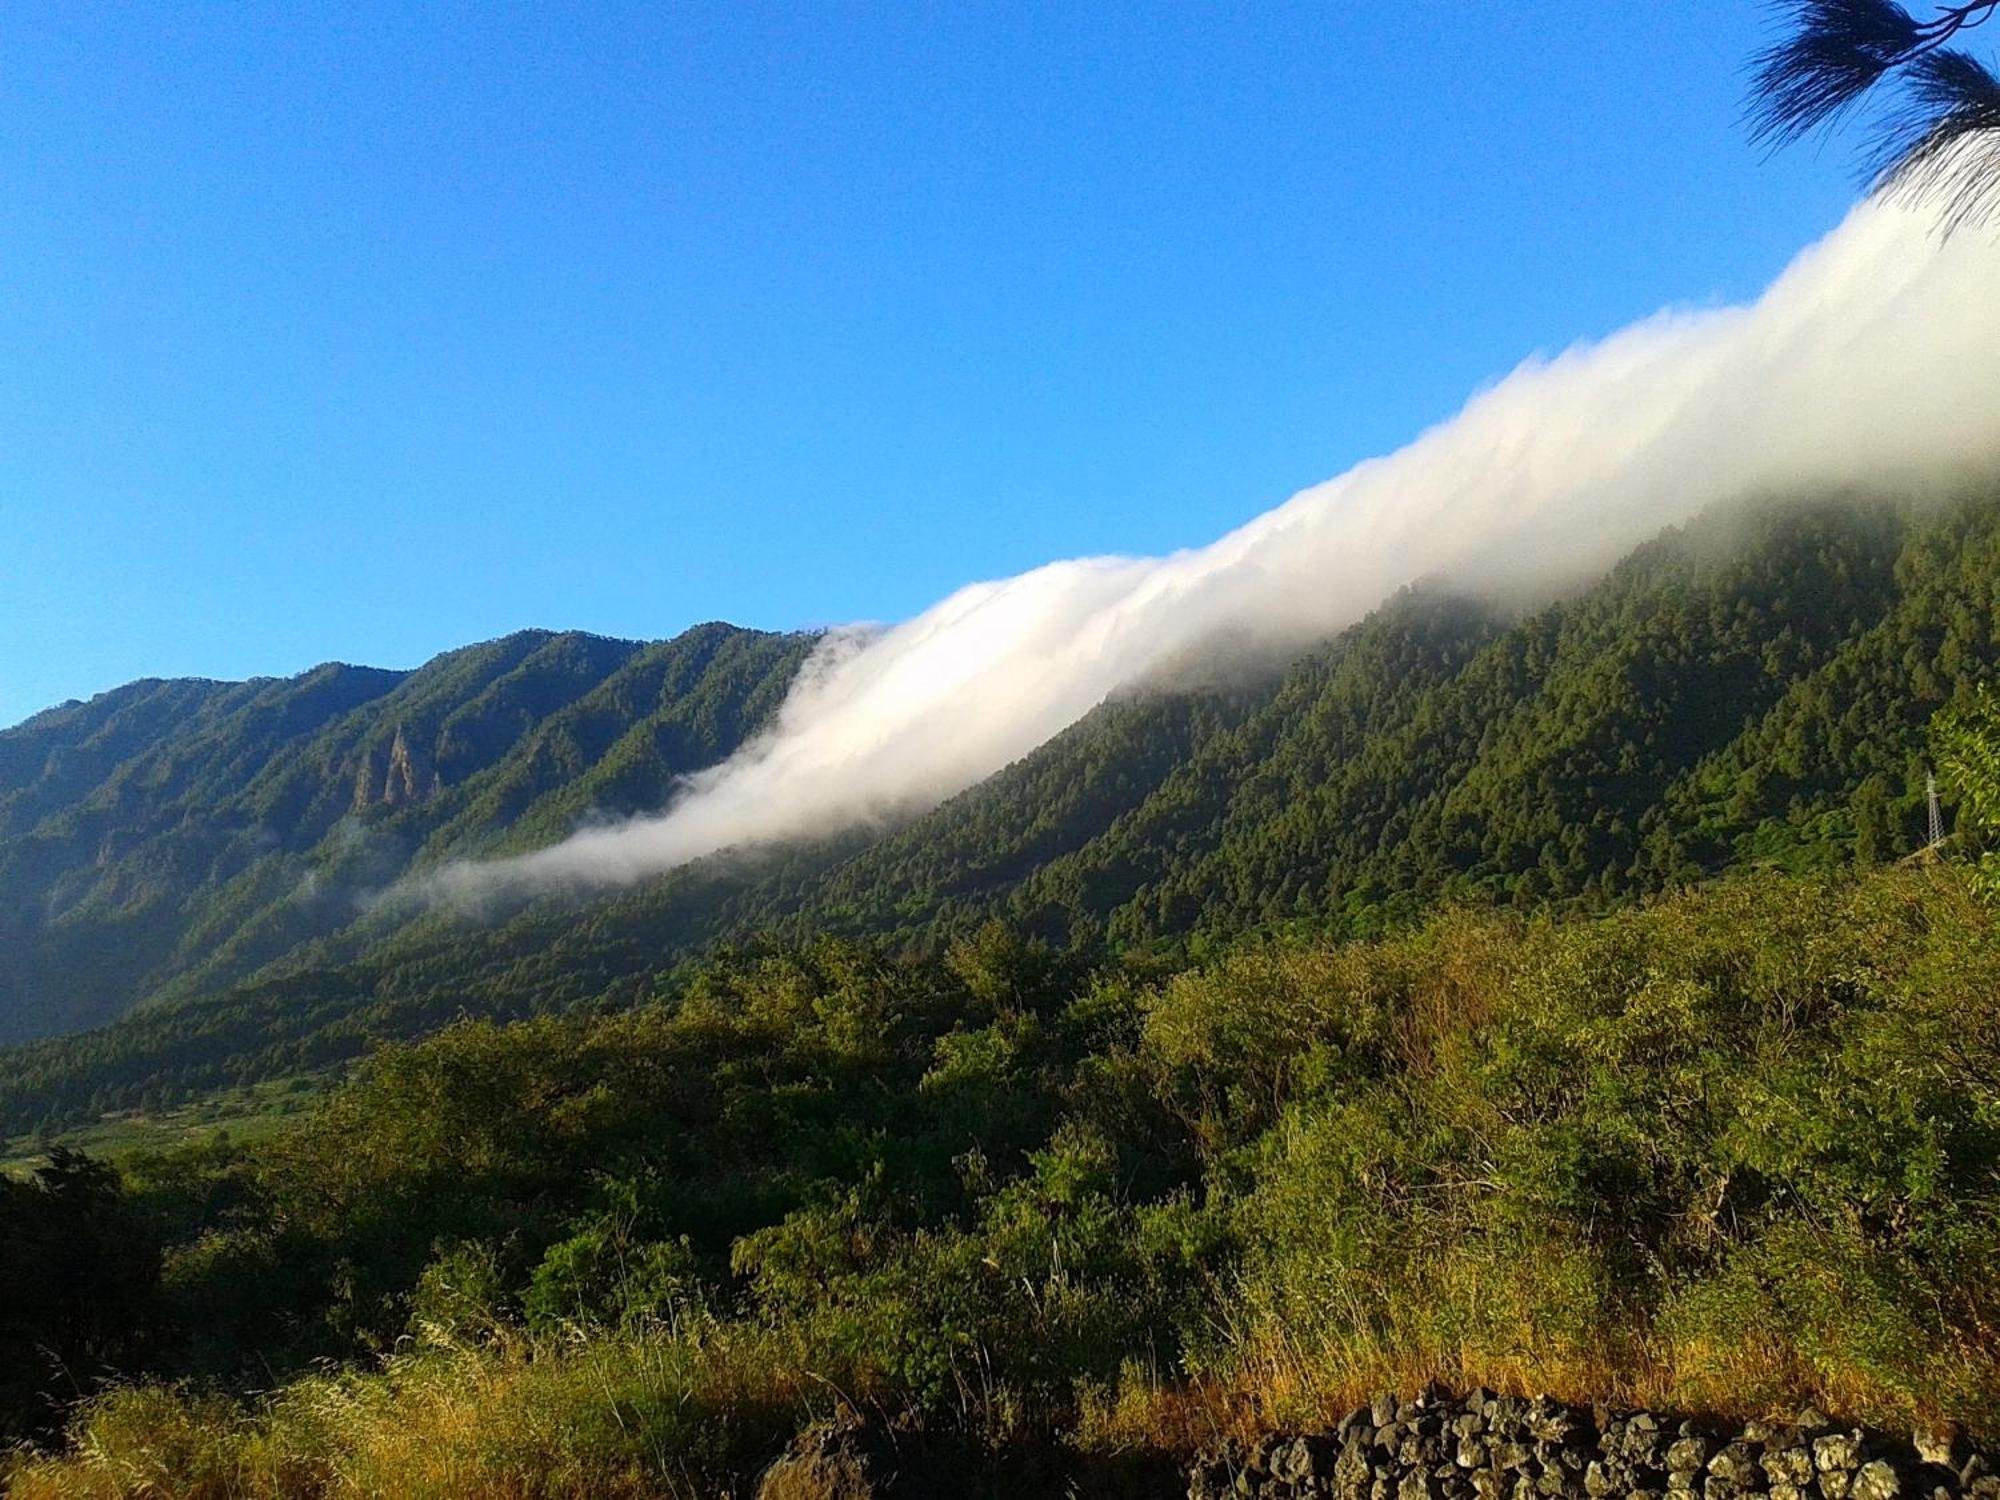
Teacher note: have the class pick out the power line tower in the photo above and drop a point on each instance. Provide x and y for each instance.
(1936, 813)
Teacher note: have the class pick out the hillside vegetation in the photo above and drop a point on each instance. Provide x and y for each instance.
(1534, 1001)
(1749, 692)
(169, 838)
(1729, 1150)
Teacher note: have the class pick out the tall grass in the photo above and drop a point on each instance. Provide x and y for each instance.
(642, 1414)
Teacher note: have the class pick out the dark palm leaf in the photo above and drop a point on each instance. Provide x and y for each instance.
(1838, 50)
(1937, 137)
(1942, 142)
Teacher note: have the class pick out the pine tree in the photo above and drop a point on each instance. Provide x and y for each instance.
(1935, 125)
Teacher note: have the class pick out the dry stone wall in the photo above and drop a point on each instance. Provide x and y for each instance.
(1485, 1447)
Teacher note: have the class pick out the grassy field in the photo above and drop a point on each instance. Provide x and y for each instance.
(251, 1113)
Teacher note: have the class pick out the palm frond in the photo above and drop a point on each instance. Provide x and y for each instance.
(1941, 143)
(1837, 51)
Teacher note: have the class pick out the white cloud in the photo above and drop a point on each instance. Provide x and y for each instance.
(1874, 359)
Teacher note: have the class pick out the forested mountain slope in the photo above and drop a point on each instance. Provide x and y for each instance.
(1751, 689)
(1755, 687)
(173, 836)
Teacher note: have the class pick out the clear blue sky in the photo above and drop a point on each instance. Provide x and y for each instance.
(360, 332)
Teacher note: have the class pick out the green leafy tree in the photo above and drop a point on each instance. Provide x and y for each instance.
(78, 1272)
(1966, 739)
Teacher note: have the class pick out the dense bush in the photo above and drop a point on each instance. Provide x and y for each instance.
(1735, 1149)
(78, 1272)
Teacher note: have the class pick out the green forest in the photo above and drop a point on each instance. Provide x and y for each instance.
(1749, 692)
(1730, 1149)
(1443, 987)
(1553, 1001)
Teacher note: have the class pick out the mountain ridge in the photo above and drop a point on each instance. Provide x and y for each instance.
(247, 799)
(1752, 688)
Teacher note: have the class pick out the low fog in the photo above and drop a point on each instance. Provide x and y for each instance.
(1874, 360)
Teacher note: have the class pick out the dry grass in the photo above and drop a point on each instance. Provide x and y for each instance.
(1274, 1384)
(610, 1419)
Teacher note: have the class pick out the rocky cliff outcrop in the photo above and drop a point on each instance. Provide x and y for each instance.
(395, 777)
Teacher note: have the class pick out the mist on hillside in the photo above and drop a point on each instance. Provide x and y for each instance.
(1872, 362)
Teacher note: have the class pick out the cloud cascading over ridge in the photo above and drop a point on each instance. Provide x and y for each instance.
(1873, 360)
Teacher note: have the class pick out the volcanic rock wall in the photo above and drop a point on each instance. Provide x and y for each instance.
(1487, 1447)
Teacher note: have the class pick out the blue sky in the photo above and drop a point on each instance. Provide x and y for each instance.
(358, 332)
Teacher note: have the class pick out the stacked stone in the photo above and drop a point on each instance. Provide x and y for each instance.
(1488, 1447)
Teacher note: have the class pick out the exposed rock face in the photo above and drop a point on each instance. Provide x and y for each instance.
(404, 775)
(409, 778)
(1486, 1447)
